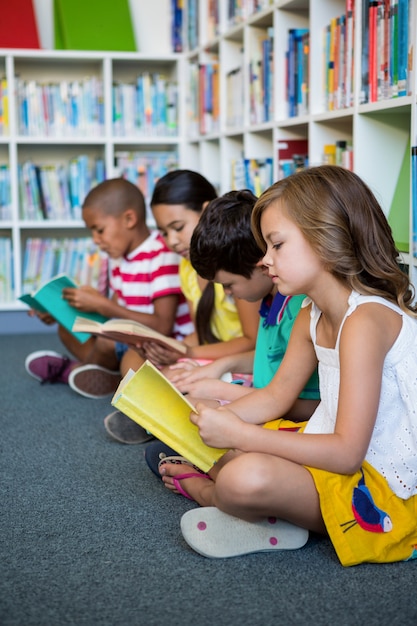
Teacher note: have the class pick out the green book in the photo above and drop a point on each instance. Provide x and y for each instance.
(48, 299)
(399, 212)
(93, 25)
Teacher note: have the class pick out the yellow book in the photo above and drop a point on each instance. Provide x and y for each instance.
(151, 400)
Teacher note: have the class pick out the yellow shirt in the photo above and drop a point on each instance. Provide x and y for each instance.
(225, 322)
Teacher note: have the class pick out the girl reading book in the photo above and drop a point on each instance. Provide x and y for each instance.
(352, 473)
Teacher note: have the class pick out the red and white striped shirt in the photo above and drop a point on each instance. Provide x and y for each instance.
(146, 274)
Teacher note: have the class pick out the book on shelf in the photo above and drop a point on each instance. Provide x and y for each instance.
(127, 331)
(48, 299)
(93, 25)
(399, 212)
(152, 401)
(296, 68)
(292, 155)
(18, 25)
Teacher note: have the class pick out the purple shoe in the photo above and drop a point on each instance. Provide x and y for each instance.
(49, 367)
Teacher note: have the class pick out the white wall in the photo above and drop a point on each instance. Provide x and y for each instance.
(151, 22)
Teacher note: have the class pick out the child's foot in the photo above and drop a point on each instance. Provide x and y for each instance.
(181, 476)
(124, 430)
(94, 381)
(49, 367)
(215, 534)
(155, 452)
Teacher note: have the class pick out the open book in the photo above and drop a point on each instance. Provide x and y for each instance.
(127, 331)
(151, 400)
(48, 299)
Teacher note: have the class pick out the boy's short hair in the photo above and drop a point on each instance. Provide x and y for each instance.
(116, 195)
(223, 239)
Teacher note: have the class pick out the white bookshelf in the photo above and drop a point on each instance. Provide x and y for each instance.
(378, 131)
(17, 147)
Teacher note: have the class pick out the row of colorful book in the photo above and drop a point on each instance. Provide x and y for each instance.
(6, 270)
(338, 59)
(64, 109)
(185, 23)
(56, 192)
(239, 10)
(144, 169)
(203, 103)
(261, 81)
(387, 35)
(4, 107)
(79, 258)
(185, 20)
(5, 197)
(254, 174)
(147, 107)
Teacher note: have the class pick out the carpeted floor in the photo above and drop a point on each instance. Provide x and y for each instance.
(90, 536)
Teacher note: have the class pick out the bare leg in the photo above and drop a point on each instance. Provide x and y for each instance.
(75, 347)
(103, 353)
(254, 486)
(130, 360)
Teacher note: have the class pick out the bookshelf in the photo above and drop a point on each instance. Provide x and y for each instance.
(229, 130)
(371, 134)
(62, 116)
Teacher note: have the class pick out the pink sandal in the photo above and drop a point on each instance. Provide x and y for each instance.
(176, 479)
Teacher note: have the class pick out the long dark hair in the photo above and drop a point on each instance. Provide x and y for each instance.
(193, 191)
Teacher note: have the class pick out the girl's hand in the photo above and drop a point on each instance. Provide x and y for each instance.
(189, 372)
(198, 389)
(157, 354)
(219, 428)
(45, 318)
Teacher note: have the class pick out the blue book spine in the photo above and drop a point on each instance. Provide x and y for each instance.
(403, 16)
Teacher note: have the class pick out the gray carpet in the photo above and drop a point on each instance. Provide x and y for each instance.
(90, 536)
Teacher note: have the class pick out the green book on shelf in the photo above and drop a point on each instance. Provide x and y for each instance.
(48, 299)
(399, 212)
(93, 25)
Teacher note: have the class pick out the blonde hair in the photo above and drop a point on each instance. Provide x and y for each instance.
(343, 222)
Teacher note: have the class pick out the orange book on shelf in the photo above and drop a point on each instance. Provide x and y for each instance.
(18, 25)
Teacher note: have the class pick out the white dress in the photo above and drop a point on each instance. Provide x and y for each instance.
(393, 447)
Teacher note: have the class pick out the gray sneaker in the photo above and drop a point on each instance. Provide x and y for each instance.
(123, 429)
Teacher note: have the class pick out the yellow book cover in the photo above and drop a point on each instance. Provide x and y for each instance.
(151, 400)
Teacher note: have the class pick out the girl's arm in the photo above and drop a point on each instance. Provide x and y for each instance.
(277, 398)
(367, 336)
(242, 363)
(249, 318)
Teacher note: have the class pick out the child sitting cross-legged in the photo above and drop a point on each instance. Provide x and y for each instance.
(351, 474)
(145, 287)
(224, 249)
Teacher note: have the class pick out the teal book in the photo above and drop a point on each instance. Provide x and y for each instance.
(93, 25)
(48, 299)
